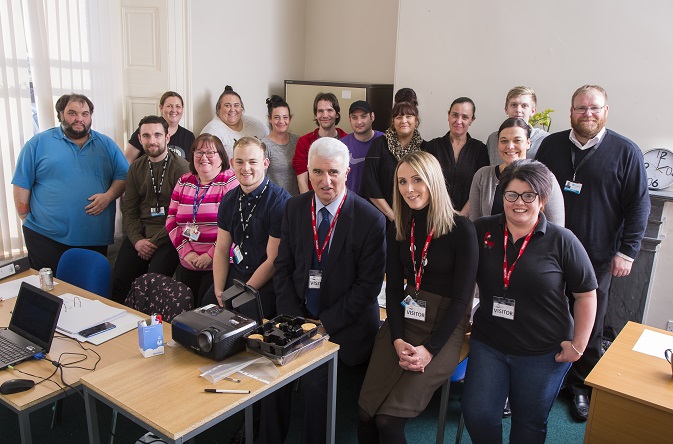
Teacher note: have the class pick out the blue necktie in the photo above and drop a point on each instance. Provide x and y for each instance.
(313, 295)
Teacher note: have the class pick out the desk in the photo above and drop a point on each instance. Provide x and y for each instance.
(139, 387)
(632, 397)
(24, 403)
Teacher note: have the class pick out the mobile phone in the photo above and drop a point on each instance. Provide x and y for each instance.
(96, 329)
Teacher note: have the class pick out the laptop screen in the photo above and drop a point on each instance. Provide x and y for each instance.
(35, 315)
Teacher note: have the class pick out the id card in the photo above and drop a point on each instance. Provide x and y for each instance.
(314, 279)
(191, 232)
(415, 310)
(157, 211)
(238, 256)
(573, 187)
(503, 308)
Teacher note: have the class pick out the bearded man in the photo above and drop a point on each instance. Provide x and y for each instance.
(607, 204)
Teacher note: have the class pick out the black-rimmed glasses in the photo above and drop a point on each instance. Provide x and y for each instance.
(513, 196)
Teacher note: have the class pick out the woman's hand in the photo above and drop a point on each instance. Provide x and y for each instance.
(422, 359)
(567, 353)
(191, 258)
(414, 359)
(204, 261)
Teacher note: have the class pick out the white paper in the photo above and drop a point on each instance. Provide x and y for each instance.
(124, 323)
(9, 290)
(79, 313)
(653, 343)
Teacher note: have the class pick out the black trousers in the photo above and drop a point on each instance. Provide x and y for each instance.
(45, 252)
(583, 366)
(129, 266)
(198, 281)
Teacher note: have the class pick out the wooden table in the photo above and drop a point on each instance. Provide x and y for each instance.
(166, 395)
(632, 397)
(112, 351)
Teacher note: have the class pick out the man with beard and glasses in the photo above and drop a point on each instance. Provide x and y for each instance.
(65, 185)
(149, 183)
(604, 184)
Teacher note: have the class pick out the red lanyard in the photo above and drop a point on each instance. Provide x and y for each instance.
(507, 273)
(318, 250)
(418, 273)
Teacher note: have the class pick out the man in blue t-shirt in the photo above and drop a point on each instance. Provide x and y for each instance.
(358, 142)
(66, 182)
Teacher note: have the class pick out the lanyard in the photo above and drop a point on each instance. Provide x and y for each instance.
(319, 250)
(591, 152)
(245, 224)
(507, 272)
(424, 255)
(197, 201)
(157, 191)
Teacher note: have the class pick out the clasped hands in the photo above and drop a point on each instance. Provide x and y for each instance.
(413, 359)
(197, 261)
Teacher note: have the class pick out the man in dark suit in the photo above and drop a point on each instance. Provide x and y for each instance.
(330, 267)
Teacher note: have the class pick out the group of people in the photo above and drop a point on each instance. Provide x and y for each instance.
(316, 222)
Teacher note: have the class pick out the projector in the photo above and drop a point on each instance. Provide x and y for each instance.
(217, 332)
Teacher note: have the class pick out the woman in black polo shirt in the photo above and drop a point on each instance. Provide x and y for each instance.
(523, 337)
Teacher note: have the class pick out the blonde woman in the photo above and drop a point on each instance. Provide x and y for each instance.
(417, 348)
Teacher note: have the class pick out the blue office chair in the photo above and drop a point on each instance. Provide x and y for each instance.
(86, 269)
(458, 375)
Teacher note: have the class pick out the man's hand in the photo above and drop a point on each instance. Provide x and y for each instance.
(99, 203)
(145, 249)
(620, 267)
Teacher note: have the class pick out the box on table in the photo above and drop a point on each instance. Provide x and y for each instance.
(150, 338)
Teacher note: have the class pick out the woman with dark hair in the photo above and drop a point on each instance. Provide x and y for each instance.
(230, 123)
(192, 215)
(171, 108)
(416, 350)
(280, 145)
(524, 338)
(486, 193)
(459, 154)
(401, 138)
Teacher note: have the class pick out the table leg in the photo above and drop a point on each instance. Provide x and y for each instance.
(24, 428)
(248, 425)
(331, 398)
(91, 417)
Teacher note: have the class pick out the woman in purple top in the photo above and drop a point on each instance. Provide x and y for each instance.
(192, 216)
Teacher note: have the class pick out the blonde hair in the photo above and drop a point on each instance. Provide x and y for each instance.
(520, 91)
(441, 214)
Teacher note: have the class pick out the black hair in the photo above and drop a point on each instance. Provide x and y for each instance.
(228, 90)
(328, 97)
(465, 100)
(63, 101)
(406, 95)
(535, 173)
(153, 119)
(274, 102)
(512, 122)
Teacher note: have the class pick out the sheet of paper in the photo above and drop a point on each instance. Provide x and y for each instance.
(9, 290)
(124, 323)
(78, 313)
(653, 343)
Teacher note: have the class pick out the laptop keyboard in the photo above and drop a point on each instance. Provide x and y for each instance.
(10, 351)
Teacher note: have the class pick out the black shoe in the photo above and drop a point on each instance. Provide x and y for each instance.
(507, 411)
(579, 407)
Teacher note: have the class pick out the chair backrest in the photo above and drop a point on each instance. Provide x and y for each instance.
(86, 269)
(156, 293)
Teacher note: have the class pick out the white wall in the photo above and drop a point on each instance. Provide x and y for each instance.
(483, 48)
(252, 46)
(351, 40)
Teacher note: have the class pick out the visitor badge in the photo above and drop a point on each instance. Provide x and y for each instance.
(238, 256)
(503, 308)
(416, 310)
(573, 187)
(191, 232)
(157, 211)
(314, 279)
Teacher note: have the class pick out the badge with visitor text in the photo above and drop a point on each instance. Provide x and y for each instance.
(415, 310)
(314, 279)
(238, 256)
(503, 308)
(191, 232)
(157, 211)
(573, 187)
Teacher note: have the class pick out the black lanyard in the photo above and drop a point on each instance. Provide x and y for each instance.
(245, 224)
(157, 191)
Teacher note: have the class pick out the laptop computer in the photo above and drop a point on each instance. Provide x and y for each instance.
(31, 328)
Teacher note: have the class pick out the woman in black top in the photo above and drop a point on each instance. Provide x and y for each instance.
(401, 138)
(418, 347)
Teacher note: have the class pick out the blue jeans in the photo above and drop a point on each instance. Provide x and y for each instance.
(531, 382)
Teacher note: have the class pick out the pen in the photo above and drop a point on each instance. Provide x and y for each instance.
(235, 392)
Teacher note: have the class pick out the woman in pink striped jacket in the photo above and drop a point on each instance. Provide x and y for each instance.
(192, 216)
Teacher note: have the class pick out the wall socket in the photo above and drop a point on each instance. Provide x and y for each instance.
(669, 326)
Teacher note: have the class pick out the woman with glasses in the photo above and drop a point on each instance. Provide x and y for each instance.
(435, 250)
(486, 193)
(171, 107)
(524, 338)
(192, 215)
(280, 145)
(230, 123)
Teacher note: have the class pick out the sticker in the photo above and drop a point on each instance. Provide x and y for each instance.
(503, 308)
(416, 310)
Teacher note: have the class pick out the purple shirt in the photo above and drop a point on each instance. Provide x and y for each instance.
(358, 152)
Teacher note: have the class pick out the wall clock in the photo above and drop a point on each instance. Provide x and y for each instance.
(659, 167)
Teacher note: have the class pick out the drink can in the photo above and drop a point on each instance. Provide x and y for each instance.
(46, 279)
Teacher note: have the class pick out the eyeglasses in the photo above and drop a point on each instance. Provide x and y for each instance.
(584, 109)
(513, 196)
(208, 154)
